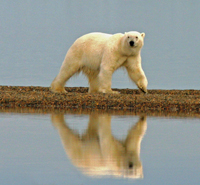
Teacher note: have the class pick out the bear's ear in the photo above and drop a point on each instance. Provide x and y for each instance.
(143, 34)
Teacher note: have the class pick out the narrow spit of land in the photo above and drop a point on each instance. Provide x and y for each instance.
(77, 98)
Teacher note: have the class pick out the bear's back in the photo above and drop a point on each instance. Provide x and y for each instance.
(95, 37)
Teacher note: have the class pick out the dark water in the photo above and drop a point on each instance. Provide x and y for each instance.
(35, 36)
(98, 149)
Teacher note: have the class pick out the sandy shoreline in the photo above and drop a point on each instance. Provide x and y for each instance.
(77, 98)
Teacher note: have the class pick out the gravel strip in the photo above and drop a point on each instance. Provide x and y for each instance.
(77, 98)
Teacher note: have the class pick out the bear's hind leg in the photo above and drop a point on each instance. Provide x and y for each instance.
(57, 87)
(94, 85)
(92, 76)
(67, 70)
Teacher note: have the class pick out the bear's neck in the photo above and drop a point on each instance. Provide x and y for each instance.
(129, 53)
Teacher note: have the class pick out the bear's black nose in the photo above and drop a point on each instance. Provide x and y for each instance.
(131, 43)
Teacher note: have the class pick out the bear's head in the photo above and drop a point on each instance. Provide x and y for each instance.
(133, 42)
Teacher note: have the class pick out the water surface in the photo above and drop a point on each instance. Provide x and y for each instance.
(98, 149)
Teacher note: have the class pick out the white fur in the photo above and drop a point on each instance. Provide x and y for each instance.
(98, 55)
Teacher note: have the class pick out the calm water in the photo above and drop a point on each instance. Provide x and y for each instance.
(98, 149)
(35, 36)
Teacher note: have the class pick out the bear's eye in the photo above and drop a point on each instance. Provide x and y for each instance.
(128, 37)
(136, 37)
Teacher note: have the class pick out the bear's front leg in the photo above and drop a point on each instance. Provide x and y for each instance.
(137, 74)
(105, 78)
(107, 67)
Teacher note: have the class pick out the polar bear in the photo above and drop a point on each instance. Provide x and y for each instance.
(98, 55)
(97, 152)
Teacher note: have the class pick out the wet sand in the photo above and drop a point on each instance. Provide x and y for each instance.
(77, 98)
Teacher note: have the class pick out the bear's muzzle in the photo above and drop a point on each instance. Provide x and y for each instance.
(131, 43)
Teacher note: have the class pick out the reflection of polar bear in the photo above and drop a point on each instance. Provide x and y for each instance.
(97, 152)
(98, 55)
